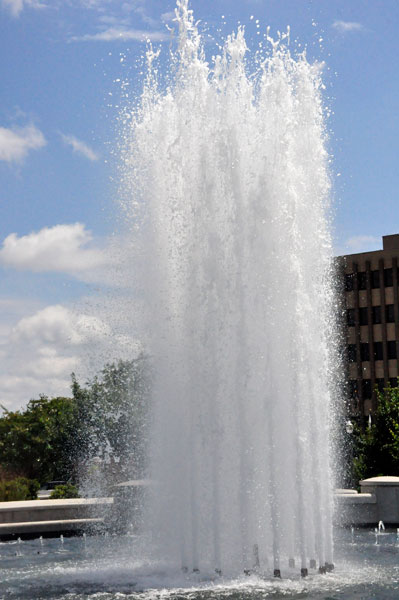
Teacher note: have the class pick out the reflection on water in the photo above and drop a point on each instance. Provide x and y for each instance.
(113, 568)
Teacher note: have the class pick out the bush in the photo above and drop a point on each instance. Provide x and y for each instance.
(20, 488)
(64, 491)
(33, 487)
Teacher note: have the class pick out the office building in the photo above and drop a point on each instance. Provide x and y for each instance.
(371, 306)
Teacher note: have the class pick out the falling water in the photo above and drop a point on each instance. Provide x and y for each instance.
(227, 170)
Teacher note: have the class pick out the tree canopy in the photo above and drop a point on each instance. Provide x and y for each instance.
(107, 417)
(377, 448)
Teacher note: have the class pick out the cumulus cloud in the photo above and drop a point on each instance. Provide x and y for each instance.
(80, 147)
(43, 349)
(347, 26)
(16, 6)
(16, 143)
(59, 325)
(62, 248)
(122, 34)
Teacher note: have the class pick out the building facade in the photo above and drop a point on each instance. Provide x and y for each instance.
(371, 308)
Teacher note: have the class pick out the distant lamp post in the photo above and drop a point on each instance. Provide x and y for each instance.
(349, 427)
(369, 422)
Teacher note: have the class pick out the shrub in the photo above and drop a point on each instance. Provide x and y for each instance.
(33, 487)
(20, 488)
(64, 491)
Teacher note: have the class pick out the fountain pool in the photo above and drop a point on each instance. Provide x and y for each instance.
(77, 570)
(227, 188)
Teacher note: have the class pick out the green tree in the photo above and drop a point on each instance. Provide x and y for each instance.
(38, 442)
(377, 448)
(113, 414)
(107, 417)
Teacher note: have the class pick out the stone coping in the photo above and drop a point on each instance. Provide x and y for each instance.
(381, 480)
(49, 504)
(356, 498)
(60, 524)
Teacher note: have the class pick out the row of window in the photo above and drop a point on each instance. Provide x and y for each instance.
(375, 315)
(377, 351)
(374, 279)
(366, 386)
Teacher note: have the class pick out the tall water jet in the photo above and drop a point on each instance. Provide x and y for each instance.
(229, 192)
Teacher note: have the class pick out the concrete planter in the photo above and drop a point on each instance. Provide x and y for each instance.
(378, 501)
(386, 491)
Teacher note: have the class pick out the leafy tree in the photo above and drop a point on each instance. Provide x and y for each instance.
(377, 448)
(106, 418)
(113, 413)
(38, 442)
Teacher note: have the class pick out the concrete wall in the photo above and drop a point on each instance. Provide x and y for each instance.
(41, 516)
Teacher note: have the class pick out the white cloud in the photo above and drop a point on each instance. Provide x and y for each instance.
(62, 248)
(42, 349)
(12, 309)
(80, 147)
(59, 325)
(362, 243)
(347, 26)
(16, 143)
(122, 34)
(16, 6)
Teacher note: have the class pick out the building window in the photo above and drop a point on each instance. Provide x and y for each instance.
(362, 280)
(364, 352)
(352, 353)
(390, 313)
(375, 279)
(349, 282)
(378, 351)
(393, 382)
(366, 385)
(388, 277)
(352, 388)
(350, 317)
(363, 315)
(376, 310)
(392, 349)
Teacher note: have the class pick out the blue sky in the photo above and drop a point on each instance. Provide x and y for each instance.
(61, 66)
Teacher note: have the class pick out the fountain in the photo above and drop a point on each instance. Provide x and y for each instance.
(227, 170)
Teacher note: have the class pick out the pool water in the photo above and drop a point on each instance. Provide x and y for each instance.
(114, 567)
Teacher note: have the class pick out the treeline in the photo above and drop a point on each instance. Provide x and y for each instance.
(376, 449)
(58, 438)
